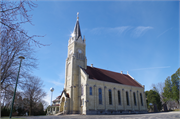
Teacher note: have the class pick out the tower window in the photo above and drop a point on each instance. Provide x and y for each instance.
(127, 98)
(79, 51)
(100, 96)
(90, 90)
(82, 101)
(82, 90)
(141, 99)
(119, 97)
(134, 95)
(79, 54)
(110, 97)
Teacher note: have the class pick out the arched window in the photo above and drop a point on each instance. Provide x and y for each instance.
(127, 98)
(134, 95)
(79, 54)
(82, 101)
(100, 96)
(141, 99)
(90, 90)
(82, 90)
(68, 69)
(119, 97)
(110, 97)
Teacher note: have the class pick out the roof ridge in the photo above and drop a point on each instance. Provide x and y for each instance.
(77, 30)
(134, 79)
(107, 70)
(110, 76)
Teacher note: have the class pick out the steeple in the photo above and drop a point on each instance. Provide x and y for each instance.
(76, 58)
(77, 31)
(76, 35)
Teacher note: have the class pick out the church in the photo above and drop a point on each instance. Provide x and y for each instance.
(90, 90)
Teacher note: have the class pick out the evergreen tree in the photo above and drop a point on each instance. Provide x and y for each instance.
(175, 78)
(154, 98)
(167, 89)
(171, 89)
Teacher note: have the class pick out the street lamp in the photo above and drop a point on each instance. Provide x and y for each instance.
(21, 58)
(51, 89)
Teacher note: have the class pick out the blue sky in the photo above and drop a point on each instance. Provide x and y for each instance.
(136, 36)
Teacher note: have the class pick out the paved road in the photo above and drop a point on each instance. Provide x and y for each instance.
(162, 115)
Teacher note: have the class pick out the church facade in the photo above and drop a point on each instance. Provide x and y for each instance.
(91, 90)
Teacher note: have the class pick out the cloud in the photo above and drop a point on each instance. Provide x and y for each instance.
(140, 30)
(48, 98)
(163, 32)
(152, 68)
(61, 75)
(119, 30)
(57, 83)
(97, 30)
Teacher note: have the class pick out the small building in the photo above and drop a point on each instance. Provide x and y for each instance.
(91, 90)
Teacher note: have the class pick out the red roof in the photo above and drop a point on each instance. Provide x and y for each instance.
(58, 98)
(67, 95)
(109, 76)
(55, 105)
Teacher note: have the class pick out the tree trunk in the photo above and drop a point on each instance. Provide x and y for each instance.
(165, 107)
(155, 108)
(30, 107)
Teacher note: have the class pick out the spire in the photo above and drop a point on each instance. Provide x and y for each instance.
(77, 16)
(77, 31)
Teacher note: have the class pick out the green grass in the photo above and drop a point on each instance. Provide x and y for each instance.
(12, 118)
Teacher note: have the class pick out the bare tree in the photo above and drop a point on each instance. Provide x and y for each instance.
(6, 97)
(33, 93)
(15, 41)
(14, 14)
(12, 46)
(158, 87)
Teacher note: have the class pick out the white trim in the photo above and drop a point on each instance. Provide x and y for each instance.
(115, 83)
(134, 79)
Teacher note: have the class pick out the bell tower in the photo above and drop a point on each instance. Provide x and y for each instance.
(76, 58)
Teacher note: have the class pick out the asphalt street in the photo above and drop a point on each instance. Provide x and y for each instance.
(162, 115)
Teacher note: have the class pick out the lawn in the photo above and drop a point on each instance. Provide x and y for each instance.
(12, 118)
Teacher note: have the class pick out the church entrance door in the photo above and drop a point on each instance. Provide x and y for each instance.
(62, 105)
(81, 110)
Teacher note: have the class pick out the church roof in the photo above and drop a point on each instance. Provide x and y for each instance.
(109, 76)
(77, 31)
(58, 98)
(55, 105)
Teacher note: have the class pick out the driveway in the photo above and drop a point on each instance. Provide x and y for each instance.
(161, 115)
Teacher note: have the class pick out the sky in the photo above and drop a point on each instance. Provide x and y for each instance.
(141, 37)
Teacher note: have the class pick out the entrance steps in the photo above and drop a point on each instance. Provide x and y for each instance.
(60, 113)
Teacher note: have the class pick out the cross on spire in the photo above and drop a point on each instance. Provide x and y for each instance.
(77, 31)
(77, 15)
